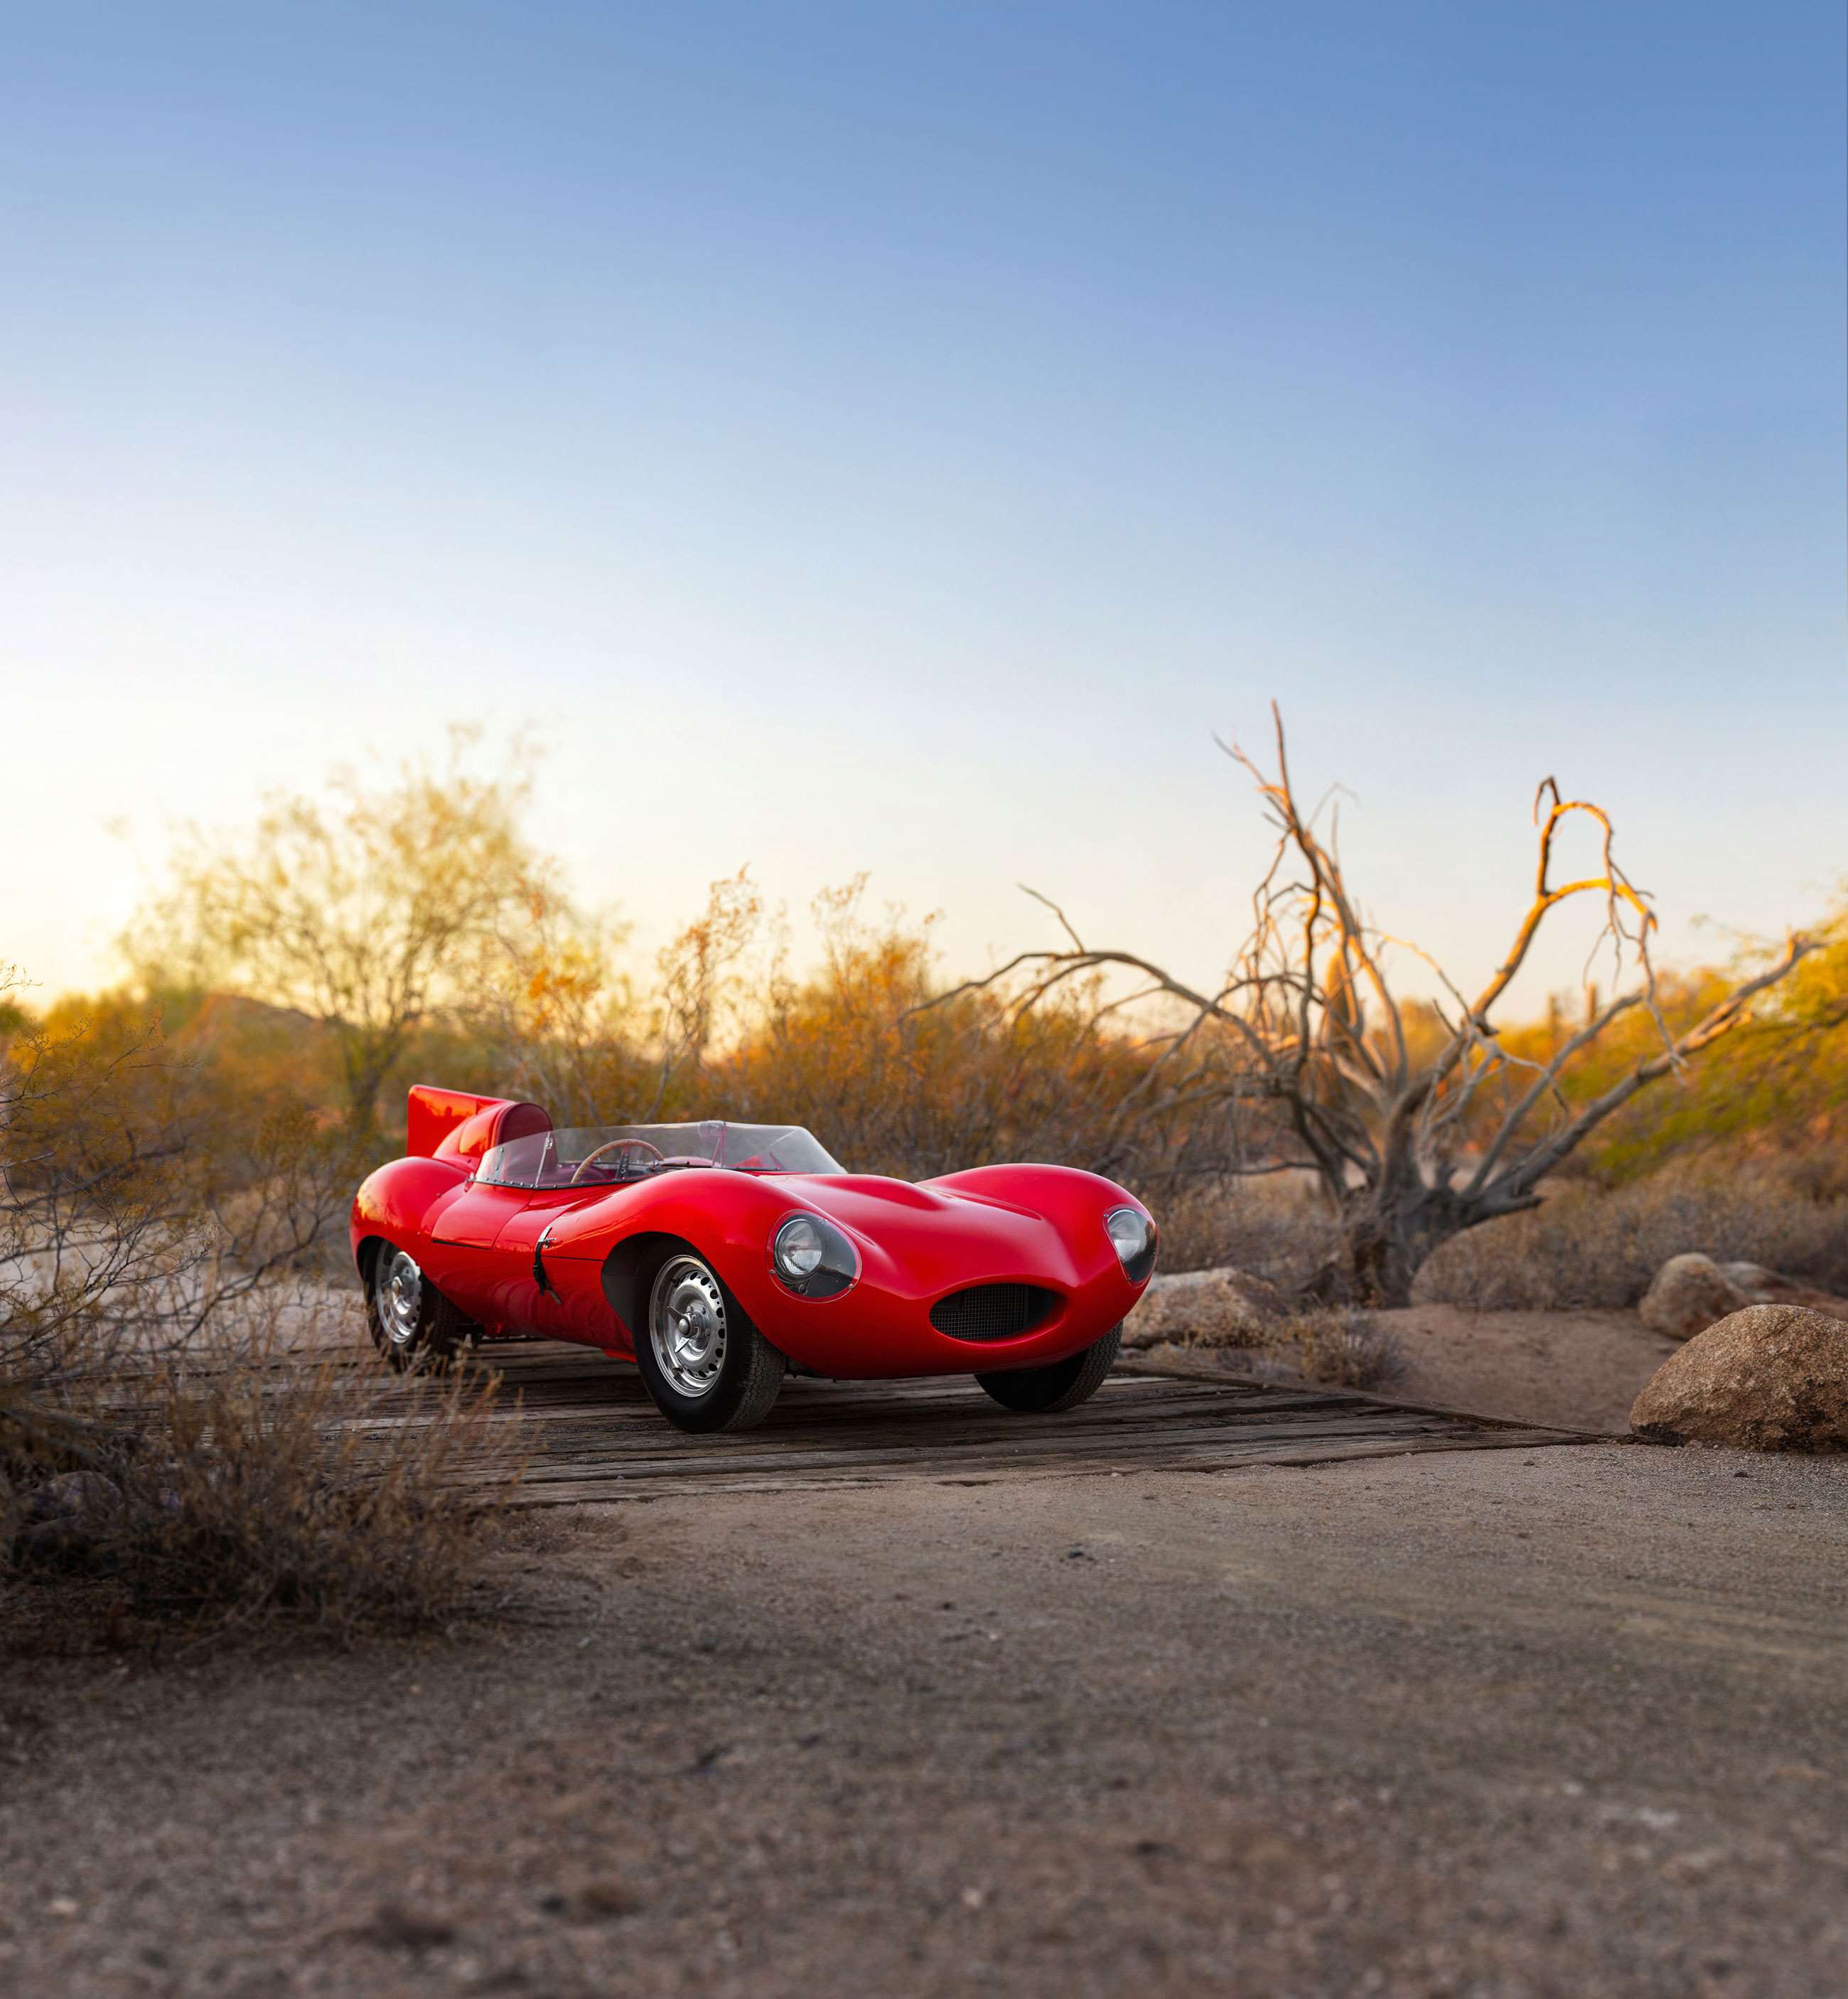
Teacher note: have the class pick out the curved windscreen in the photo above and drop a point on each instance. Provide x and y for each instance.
(610, 1155)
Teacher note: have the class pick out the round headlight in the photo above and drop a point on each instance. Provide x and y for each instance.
(799, 1248)
(1128, 1228)
(812, 1258)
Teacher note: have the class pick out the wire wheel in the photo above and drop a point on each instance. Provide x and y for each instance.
(413, 1325)
(686, 1326)
(398, 1295)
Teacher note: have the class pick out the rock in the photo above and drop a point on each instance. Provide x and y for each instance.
(599, 1901)
(1693, 1292)
(71, 1495)
(1772, 1287)
(1223, 1308)
(1771, 1378)
(64, 1522)
(63, 1545)
(1689, 1294)
(397, 1927)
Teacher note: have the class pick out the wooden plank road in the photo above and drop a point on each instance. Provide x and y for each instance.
(593, 1435)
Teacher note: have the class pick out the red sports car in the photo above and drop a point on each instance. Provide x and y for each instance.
(717, 1256)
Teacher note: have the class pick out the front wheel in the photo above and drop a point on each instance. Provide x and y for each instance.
(1044, 1391)
(705, 1365)
(413, 1325)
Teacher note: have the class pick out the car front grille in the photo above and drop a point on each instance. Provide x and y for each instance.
(993, 1312)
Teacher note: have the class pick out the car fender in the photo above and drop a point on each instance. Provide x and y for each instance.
(401, 1202)
(726, 1217)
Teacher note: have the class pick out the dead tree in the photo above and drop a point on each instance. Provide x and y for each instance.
(1408, 1140)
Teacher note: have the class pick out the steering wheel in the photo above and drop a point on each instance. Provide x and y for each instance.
(614, 1146)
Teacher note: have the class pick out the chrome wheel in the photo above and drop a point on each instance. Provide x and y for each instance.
(686, 1326)
(398, 1294)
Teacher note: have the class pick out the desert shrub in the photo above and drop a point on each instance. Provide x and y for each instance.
(895, 1071)
(1778, 1085)
(152, 1425)
(1275, 1226)
(143, 1193)
(101, 1250)
(1590, 1246)
(278, 1489)
(899, 1076)
(243, 1483)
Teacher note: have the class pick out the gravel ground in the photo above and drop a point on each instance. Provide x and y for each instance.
(1573, 1371)
(1573, 1721)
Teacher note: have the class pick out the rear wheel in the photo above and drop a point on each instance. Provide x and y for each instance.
(413, 1325)
(1044, 1391)
(704, 1363)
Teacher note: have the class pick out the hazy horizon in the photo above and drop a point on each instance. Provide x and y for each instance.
(898, 439)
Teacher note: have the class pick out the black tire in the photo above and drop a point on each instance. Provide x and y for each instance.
(706, 1366)
(413, 1325)
(1046, 1391)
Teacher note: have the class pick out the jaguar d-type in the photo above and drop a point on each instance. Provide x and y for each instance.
(718, 1257)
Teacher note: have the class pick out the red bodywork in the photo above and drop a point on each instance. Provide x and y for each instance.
(917, 1243)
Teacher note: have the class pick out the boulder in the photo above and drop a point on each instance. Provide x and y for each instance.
(63, 1544)
(1689, 1294)
(1223, 1308)
(63, 1522)
(1771, 1378)
(71, 1496)
(1772, 1287)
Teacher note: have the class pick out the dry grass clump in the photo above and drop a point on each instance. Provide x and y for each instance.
(1340, 1349)
(1591, 1247)
(242, 1485)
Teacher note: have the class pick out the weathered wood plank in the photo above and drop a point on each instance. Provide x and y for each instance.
(592, 1490)
(595, 1437)
(717, 1465)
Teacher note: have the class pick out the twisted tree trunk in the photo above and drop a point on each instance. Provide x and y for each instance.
(1405, 1146)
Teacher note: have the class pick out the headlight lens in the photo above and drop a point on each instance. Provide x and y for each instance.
(1133, 1236)
(812, 1258)
(799, 1247)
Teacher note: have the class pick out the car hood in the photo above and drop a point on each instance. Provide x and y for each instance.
(932, 1240)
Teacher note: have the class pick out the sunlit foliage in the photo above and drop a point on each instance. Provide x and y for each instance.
(370, 913)
(1778, 1083)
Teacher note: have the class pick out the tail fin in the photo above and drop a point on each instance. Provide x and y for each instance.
(434, 1113)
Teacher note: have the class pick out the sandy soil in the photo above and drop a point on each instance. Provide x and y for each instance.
(1569, 1722)
(1574, 1370)
(1578, 1370)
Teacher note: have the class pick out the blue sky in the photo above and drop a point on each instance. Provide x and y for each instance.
(889, 437)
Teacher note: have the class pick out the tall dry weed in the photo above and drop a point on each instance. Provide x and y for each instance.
(1343, 1349)
(244, 1483)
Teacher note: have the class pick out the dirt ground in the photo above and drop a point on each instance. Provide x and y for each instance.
(1570, 1722)
(1576, 1371)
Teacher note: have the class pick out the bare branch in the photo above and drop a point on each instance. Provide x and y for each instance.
(1520, 1178)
